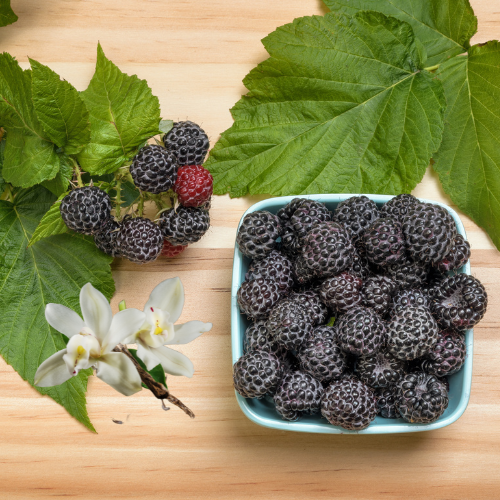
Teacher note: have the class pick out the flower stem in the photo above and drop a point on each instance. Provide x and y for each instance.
(122, 306)
(158, 390)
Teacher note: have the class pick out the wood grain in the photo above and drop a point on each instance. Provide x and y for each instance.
(194, 55)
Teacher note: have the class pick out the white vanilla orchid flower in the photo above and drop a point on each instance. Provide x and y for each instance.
(91, 342)
(162, 310)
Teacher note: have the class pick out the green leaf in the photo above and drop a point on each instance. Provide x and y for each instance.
(130, 194)
(50, 224)
(60, 183)
(157, 372)
(166, 126)
(7, 15)
(342, 105)
(124, 113)
(468, 161)
(445, 27)
(53, 270)
(2, 149)
(30, 158)
(60, 109)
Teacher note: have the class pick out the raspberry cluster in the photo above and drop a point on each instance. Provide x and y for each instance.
(356, 309)
(170, 174)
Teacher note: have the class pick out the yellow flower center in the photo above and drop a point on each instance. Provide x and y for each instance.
(158, 329)
(80, 350)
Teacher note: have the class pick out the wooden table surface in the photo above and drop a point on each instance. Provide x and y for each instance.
(194, 54)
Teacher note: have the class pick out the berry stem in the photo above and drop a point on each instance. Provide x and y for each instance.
(140, 206)
(78, 172)
(118, 198)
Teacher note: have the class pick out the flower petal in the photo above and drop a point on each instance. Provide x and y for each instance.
(119, 372)
(96, 310)
(174, 362)
(63, 319)
(53, 371)
(169, 296)
(124, 324)
(189, 331)
(147, 355)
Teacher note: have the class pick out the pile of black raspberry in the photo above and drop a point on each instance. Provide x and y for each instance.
(351, 309)
(172, 176)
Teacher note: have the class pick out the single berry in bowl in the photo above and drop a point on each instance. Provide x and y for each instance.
(408, 273)
(183, 226)
(105, 240)
(377, 293)
(320, 355)
(154, 169)
(285, 213)
(356, 214)
(421, 398)
(327, 249)
(349, 403)
(384, 242)
(188, 142)
(298, 393)
(399, 206)
(447, 355)
(289, 324)
(308, 214)
(303, 275)
(86, 209)
(258, 234)
(194, 186)
(429, 232)
(458, 255)
(412, 333)
(256, 298)
(381, 369)
(386, 402)
(408, 297)
(459, 302)
(275, 266)
(139, 240)
(310, 302)
(258, 337)
(361, 331)
(257, 373)
(341, 292)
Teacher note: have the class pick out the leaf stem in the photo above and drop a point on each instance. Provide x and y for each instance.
(432, 68)
(158, 390)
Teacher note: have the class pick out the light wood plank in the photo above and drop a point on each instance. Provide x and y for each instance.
(194, 55)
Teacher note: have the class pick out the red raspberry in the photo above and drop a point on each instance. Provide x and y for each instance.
(170, 250)
(194, 185)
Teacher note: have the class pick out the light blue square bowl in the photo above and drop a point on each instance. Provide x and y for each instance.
(262, 412)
